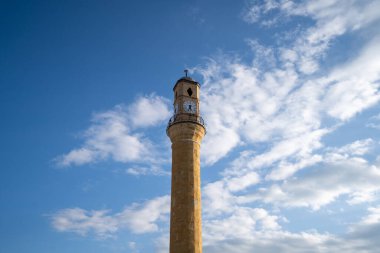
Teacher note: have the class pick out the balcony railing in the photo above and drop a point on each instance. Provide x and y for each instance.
(184, 117)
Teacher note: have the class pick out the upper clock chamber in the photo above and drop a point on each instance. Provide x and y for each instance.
(186, 102)
(186, 96)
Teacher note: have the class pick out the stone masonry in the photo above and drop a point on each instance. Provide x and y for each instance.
(186, 131)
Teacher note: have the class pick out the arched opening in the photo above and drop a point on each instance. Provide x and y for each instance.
(189, 91)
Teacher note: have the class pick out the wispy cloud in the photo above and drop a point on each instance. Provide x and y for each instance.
(374, 122)
(137, 218)
(152, 170)
(332, 19)
(80, 221)
(148, 111)
(115, 135)
(283, 105)
(322, 185)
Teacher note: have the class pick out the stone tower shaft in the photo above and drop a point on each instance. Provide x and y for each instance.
(186, 130)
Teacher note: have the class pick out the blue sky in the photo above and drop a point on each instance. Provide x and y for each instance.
(290, 95)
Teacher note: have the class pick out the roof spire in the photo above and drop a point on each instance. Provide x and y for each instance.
(186, 71)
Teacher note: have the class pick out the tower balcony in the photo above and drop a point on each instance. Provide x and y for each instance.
(185, 117)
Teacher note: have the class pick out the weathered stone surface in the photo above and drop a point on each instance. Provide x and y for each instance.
(185, 217)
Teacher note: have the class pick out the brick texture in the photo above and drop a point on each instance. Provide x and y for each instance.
(185, 216)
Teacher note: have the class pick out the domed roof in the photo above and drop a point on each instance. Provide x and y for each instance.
(186, 79)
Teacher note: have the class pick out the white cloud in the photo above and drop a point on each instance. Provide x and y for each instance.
(132, 245)
(284, 108)
(77, 157)
(330, 155)
(339, 172)
(82, 222)
(286, 169)
(218, 143)
(143, 218)
(153, 170)
(240, 183)
(366, 232)
(217, 198)
(332, 19)
(255, 12)
(138, 218)
(162, 244)
(255, 229)
(374, 122)
(341, 15)
(112, 134)
(351, 177)
(252, 109)
(373, 217)
(356, 148)
(241, 104)
(240, 224)
(275, 241)
(149, 111)
(354, 87)
(373, 125)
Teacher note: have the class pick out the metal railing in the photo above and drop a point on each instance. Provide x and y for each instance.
(184, 117)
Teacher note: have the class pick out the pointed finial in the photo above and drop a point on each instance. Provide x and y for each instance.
(186, 70)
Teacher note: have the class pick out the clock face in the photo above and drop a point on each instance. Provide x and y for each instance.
(190, 106)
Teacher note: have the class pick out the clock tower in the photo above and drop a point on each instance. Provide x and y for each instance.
(186, 130)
